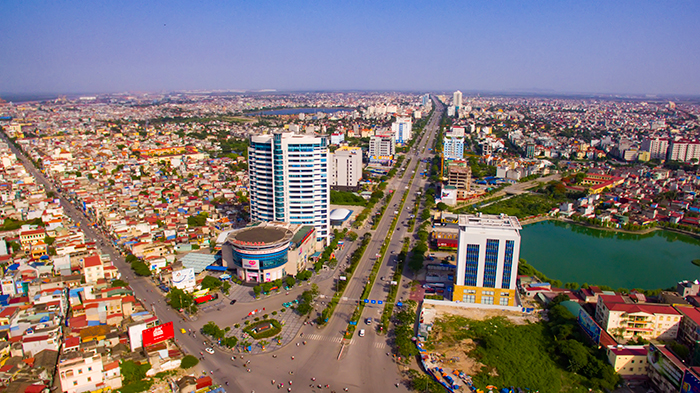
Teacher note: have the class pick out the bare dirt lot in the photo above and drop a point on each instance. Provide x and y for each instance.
(455, 354)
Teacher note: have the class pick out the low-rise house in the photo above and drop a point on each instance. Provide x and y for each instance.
(625, 319)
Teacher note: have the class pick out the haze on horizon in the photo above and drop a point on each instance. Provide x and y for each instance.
(626, 47)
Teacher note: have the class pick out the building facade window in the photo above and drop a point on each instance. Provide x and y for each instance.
(469, 298)
(507, 264)
(491, 263)
(487, 300)
(472, 265)
(503, 301)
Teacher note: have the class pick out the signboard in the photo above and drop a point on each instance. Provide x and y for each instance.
(158, 334)
(589, 326)
(184, 279)
(250, 263)
(664, 366)
(691, 383)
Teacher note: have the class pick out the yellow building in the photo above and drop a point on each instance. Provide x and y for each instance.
(628, 360)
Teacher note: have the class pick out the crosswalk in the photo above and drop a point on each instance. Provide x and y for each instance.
(338, 339)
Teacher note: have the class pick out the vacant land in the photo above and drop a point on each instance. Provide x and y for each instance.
(497, 351)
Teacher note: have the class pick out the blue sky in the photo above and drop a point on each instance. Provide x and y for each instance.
(640, 47)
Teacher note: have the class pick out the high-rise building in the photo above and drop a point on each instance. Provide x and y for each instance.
(453, 144)
(457, 99)
(684, 150)
(289, 180)
(381, 147)
(487, 260)
(657, 147)
(402, 128)
(346, 168)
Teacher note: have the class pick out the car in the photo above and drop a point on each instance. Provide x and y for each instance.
(368, 321)
(233, 301)
(362, 333)
(381, 278)
(209, 350)
(183, 331)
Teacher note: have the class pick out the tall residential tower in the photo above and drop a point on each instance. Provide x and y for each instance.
(487, 260)
(289, 180)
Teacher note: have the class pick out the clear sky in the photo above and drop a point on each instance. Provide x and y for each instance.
(612, 46)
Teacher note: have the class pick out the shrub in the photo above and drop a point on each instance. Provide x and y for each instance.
(189, 361)
(257, 319)
(237, 325)
(265, 316)
(274, 313)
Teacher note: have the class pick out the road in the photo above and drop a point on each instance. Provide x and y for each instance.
(363, 365)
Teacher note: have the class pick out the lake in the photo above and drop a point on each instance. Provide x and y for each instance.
(294, 111)
(573, 253)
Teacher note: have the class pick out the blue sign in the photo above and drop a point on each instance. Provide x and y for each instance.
(399, 304)
(380, 302)
(353, 323)
(589, 326)
(366, 301)
(373, 301)
(690, 384)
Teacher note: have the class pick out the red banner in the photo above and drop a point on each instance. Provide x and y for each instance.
(158, 334)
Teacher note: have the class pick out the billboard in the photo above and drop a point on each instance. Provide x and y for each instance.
(589, 326)
(184, 279)
(691, 383)
(158, 334)
(250, 263)
(664, 366)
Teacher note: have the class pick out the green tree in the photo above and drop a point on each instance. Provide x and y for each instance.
(226, 287)
(211, 283)
(119, 283)
(140, 268)
(132, 371)
(189, 361)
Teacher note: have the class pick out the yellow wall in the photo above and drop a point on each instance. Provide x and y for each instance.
(461, 290)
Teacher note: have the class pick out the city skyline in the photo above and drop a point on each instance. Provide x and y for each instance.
(549, 47)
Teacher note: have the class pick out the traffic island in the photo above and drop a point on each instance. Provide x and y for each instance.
(264, 329)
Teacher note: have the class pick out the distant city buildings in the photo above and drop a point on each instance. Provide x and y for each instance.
(457, 99)
(289, 180)
(487, 260)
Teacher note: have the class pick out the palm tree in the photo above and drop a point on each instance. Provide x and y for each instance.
(263, 344)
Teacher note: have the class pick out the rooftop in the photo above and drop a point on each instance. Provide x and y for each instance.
(489, 221)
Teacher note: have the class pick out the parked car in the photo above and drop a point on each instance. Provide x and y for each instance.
(362, 332)
(368, 321)
(233, 301)
(209, 350)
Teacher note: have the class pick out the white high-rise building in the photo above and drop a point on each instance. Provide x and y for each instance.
(453, 144)
(684, 150)
(289, 180)
(457, 99)
(382, 147)
(487, 260)
(346, 168)
(402, 128)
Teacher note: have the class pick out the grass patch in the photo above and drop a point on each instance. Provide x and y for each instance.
(135, 387)
(271, 332)
(521, 206)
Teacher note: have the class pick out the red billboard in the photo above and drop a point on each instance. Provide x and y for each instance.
(158, 334)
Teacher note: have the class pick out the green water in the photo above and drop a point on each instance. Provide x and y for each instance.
(572, 253)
